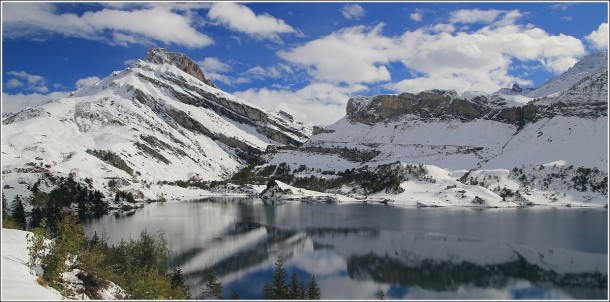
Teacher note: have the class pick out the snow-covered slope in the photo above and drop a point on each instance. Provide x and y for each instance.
(160, 118)
(453, 133)
(18, 283)
(589, 65)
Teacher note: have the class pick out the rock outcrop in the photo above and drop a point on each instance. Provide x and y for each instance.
(186, 64)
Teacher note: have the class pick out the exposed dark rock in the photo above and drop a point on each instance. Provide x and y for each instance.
(587, 98)
(160, 56)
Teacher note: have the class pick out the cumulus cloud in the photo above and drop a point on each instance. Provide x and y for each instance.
(115, 26)
(350, 55)
(481, 60)
(417, 15)
(314, 104)
(273, 72)
(598, 39)
(242, 19)
(86, 82)
(13, 83)
(213, 64)
(352, 11)
(17, 102)
(28, 81)
(473, 16)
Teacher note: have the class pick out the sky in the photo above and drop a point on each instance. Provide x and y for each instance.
(305, 58)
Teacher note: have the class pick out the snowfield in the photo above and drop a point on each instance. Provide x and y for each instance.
(18, 283)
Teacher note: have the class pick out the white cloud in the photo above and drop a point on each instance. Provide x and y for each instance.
(213, 64)
(242, 19)
(17, 102)
(266, 72)
(115, 26)
(129, 62)
(351, 55)
(86, 82)
(480, 60)
(417, 15)
(13, 83)
(352, 11)
(598, 39)
(34, 82)
(473, 16)
(315, 104)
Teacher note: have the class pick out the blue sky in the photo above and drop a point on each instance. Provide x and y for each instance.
(306, 58)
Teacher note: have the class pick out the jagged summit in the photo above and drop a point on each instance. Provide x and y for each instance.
(587, 66)
(183, 62)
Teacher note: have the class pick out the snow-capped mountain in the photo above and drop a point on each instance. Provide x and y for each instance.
(452, 133)
(587, 66)
(159, 119)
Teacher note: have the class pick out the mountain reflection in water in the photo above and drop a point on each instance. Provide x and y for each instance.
(354, 256)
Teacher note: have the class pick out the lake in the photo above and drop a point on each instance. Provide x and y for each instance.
(356, 250)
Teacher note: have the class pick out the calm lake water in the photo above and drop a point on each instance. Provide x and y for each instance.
(355, 250)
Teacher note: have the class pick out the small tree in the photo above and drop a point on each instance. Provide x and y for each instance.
(267, 291)
(177, 280)
(213, 288)
(36, 243)
(280, 290)
(69, 242)
(380, 295)
(295, 292)
(18, 212)
(234, 295)
(313, 291)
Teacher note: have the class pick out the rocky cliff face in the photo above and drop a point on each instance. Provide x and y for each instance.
(587, 98)
(186, 64)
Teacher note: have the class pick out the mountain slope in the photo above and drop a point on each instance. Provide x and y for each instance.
(477, 139)
(587, 66)
(159, 119)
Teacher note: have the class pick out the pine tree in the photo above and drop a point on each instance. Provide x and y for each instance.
(213, 288)
(280, 290)
(177, 279)
(18, 212)
(4, 207)
(267, 291)
(380, 295)
(313, 291)
(302, 294)
(295, 293)
(234, 295)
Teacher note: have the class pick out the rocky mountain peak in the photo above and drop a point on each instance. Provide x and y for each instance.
(160, 56)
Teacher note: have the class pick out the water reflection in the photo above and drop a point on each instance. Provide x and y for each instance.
(357, 250)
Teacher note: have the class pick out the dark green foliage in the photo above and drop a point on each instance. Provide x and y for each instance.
(267, 292)
(581, 179)
(128, 196)
(138, 266)
(7, 221)
(213, 288)
(313, 291)
(177, 281)
(295, 292)
(68, 243)
(18, 212)
(234, 295)
(278, 283)
(66, 192)
(383, 178)
(380, 295)
(191, 183)
(111, 158)
(278, 290)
